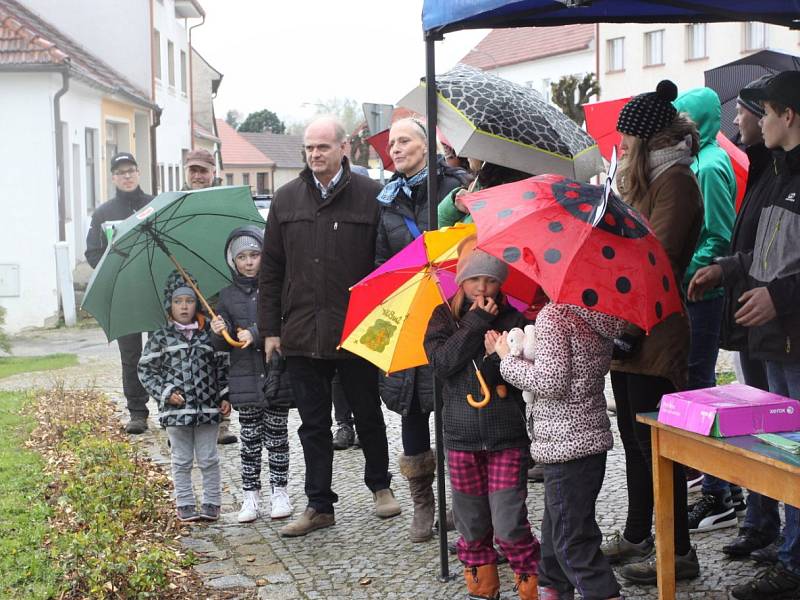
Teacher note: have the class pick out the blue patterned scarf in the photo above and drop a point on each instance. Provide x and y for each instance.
(391, 189)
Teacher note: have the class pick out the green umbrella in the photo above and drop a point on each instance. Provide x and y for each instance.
(176, 230)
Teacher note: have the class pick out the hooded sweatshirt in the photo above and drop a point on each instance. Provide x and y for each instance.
(568, 418)
(714, 172)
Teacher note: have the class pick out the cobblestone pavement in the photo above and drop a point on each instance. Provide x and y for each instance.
(362, 556)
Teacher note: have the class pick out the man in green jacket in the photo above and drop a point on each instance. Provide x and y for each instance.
(714, 172)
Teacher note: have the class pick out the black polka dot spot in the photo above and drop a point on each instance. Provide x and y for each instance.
(478, 205)
(529, 195)
(623, 285)
(505, 213)
(555, 226)
(659, 310)
(652, 258)
(665, 283)
(589, 297)
(552, 256)
(511, 254)
(608, 252)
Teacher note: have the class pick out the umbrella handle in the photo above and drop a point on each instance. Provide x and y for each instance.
(487, 393)
(230, 340)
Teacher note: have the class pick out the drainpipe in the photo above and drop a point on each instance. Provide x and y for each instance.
(191, 84)
(62, 201)
(597, 58)
(153, 158)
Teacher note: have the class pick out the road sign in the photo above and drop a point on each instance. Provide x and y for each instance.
(379, 116)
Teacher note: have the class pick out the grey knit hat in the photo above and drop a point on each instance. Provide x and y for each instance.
(754, 106)
(476, 263)
(239, 245)
(184, 290)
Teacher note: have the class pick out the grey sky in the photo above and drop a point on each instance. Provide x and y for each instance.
(279, 54)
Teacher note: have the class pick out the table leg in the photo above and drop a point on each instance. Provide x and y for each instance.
(665, 520)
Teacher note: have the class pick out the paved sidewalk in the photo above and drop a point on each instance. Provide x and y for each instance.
(362, 556)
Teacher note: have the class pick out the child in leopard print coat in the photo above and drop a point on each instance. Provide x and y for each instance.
(571, 435)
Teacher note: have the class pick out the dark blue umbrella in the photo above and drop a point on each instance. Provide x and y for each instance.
(728, 79)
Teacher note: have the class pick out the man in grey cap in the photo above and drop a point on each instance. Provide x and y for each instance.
(199, 169)
(128, 199)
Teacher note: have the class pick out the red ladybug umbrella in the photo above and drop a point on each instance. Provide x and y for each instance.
(579, 247)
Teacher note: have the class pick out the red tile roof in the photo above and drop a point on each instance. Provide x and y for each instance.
(26, 40)
(503, 47)
(237, 151)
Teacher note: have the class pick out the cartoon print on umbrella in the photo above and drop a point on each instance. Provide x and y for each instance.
(542, 227)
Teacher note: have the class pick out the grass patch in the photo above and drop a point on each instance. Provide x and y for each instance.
(726, 377)
(25, 568)
(12, 365)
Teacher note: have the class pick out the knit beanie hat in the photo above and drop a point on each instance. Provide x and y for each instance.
(240, 244)
(184, 290)
(647, 114)
(754, 106)
(476, 263)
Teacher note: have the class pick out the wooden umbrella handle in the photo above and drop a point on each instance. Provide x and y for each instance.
(487, 393)
(206, 305)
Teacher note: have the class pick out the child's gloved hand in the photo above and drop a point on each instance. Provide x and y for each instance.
(245, 336)
(218, 325)
(225, 408)
(175, 399)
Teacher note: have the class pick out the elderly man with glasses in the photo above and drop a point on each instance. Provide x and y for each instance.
(128, 199)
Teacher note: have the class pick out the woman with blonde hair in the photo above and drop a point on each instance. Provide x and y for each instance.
(658, 145)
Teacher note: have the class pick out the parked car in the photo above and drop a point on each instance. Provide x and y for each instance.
(262, 202)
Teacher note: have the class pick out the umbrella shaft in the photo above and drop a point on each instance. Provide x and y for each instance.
(191, 284)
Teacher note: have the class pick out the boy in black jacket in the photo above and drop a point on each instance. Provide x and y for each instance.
(263, 412)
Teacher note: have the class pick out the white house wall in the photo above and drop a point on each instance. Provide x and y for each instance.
(283, 176)
(173, 135)
(118, 31)
(540, 73)
(29, 197)
(724, 43)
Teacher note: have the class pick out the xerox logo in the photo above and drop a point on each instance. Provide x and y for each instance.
(778, 411)
(790, 410)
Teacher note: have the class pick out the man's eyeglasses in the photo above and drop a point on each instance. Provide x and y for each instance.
(126, 173)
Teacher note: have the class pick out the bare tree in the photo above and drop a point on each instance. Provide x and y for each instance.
(569, 94)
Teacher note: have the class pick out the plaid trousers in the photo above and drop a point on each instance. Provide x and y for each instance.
(489, 494)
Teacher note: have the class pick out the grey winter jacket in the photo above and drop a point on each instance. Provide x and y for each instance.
(451, 349)
(568, 418)
(774, 263)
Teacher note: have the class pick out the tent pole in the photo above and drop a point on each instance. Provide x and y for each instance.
(433, 204)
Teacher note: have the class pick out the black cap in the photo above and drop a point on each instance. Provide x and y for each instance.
(121, 158)
(784, 89)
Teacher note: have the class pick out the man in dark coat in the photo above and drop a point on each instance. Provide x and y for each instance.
(319, 241)
(129, 198)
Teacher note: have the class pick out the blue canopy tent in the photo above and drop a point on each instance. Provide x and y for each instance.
(442, 16)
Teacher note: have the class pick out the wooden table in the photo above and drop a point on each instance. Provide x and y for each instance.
(745, 461)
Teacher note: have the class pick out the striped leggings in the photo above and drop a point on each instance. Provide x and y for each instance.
(264, 427)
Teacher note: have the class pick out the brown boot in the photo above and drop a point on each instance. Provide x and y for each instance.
(482, 582)
(309, 521)
(385, 504)
(419, 470)
(527, 586)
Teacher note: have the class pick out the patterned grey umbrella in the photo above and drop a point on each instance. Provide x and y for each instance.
(489, 118)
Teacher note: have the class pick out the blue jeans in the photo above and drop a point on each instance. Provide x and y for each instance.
(705, 318)
(784, 379)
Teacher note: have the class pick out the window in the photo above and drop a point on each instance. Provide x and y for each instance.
(184, 81)
(245, 178)
(615, 49)
(755, 35)
(228, 178)
(546, 89)
(171, 63)
(157, 50)
(654, 48)
(696, 41)
(90, 161)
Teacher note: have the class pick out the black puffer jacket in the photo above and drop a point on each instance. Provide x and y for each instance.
(397, 390)
(760, 183)
(238, 306)
(451, 350)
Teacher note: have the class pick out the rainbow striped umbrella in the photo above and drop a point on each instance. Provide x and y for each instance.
(389, 309)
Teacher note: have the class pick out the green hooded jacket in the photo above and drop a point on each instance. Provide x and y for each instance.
(714, 172)
(449, 215)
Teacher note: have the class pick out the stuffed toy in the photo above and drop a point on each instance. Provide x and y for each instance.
(522, 343)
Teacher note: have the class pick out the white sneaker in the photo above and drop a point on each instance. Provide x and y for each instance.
(281, 506)
(249, 510)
